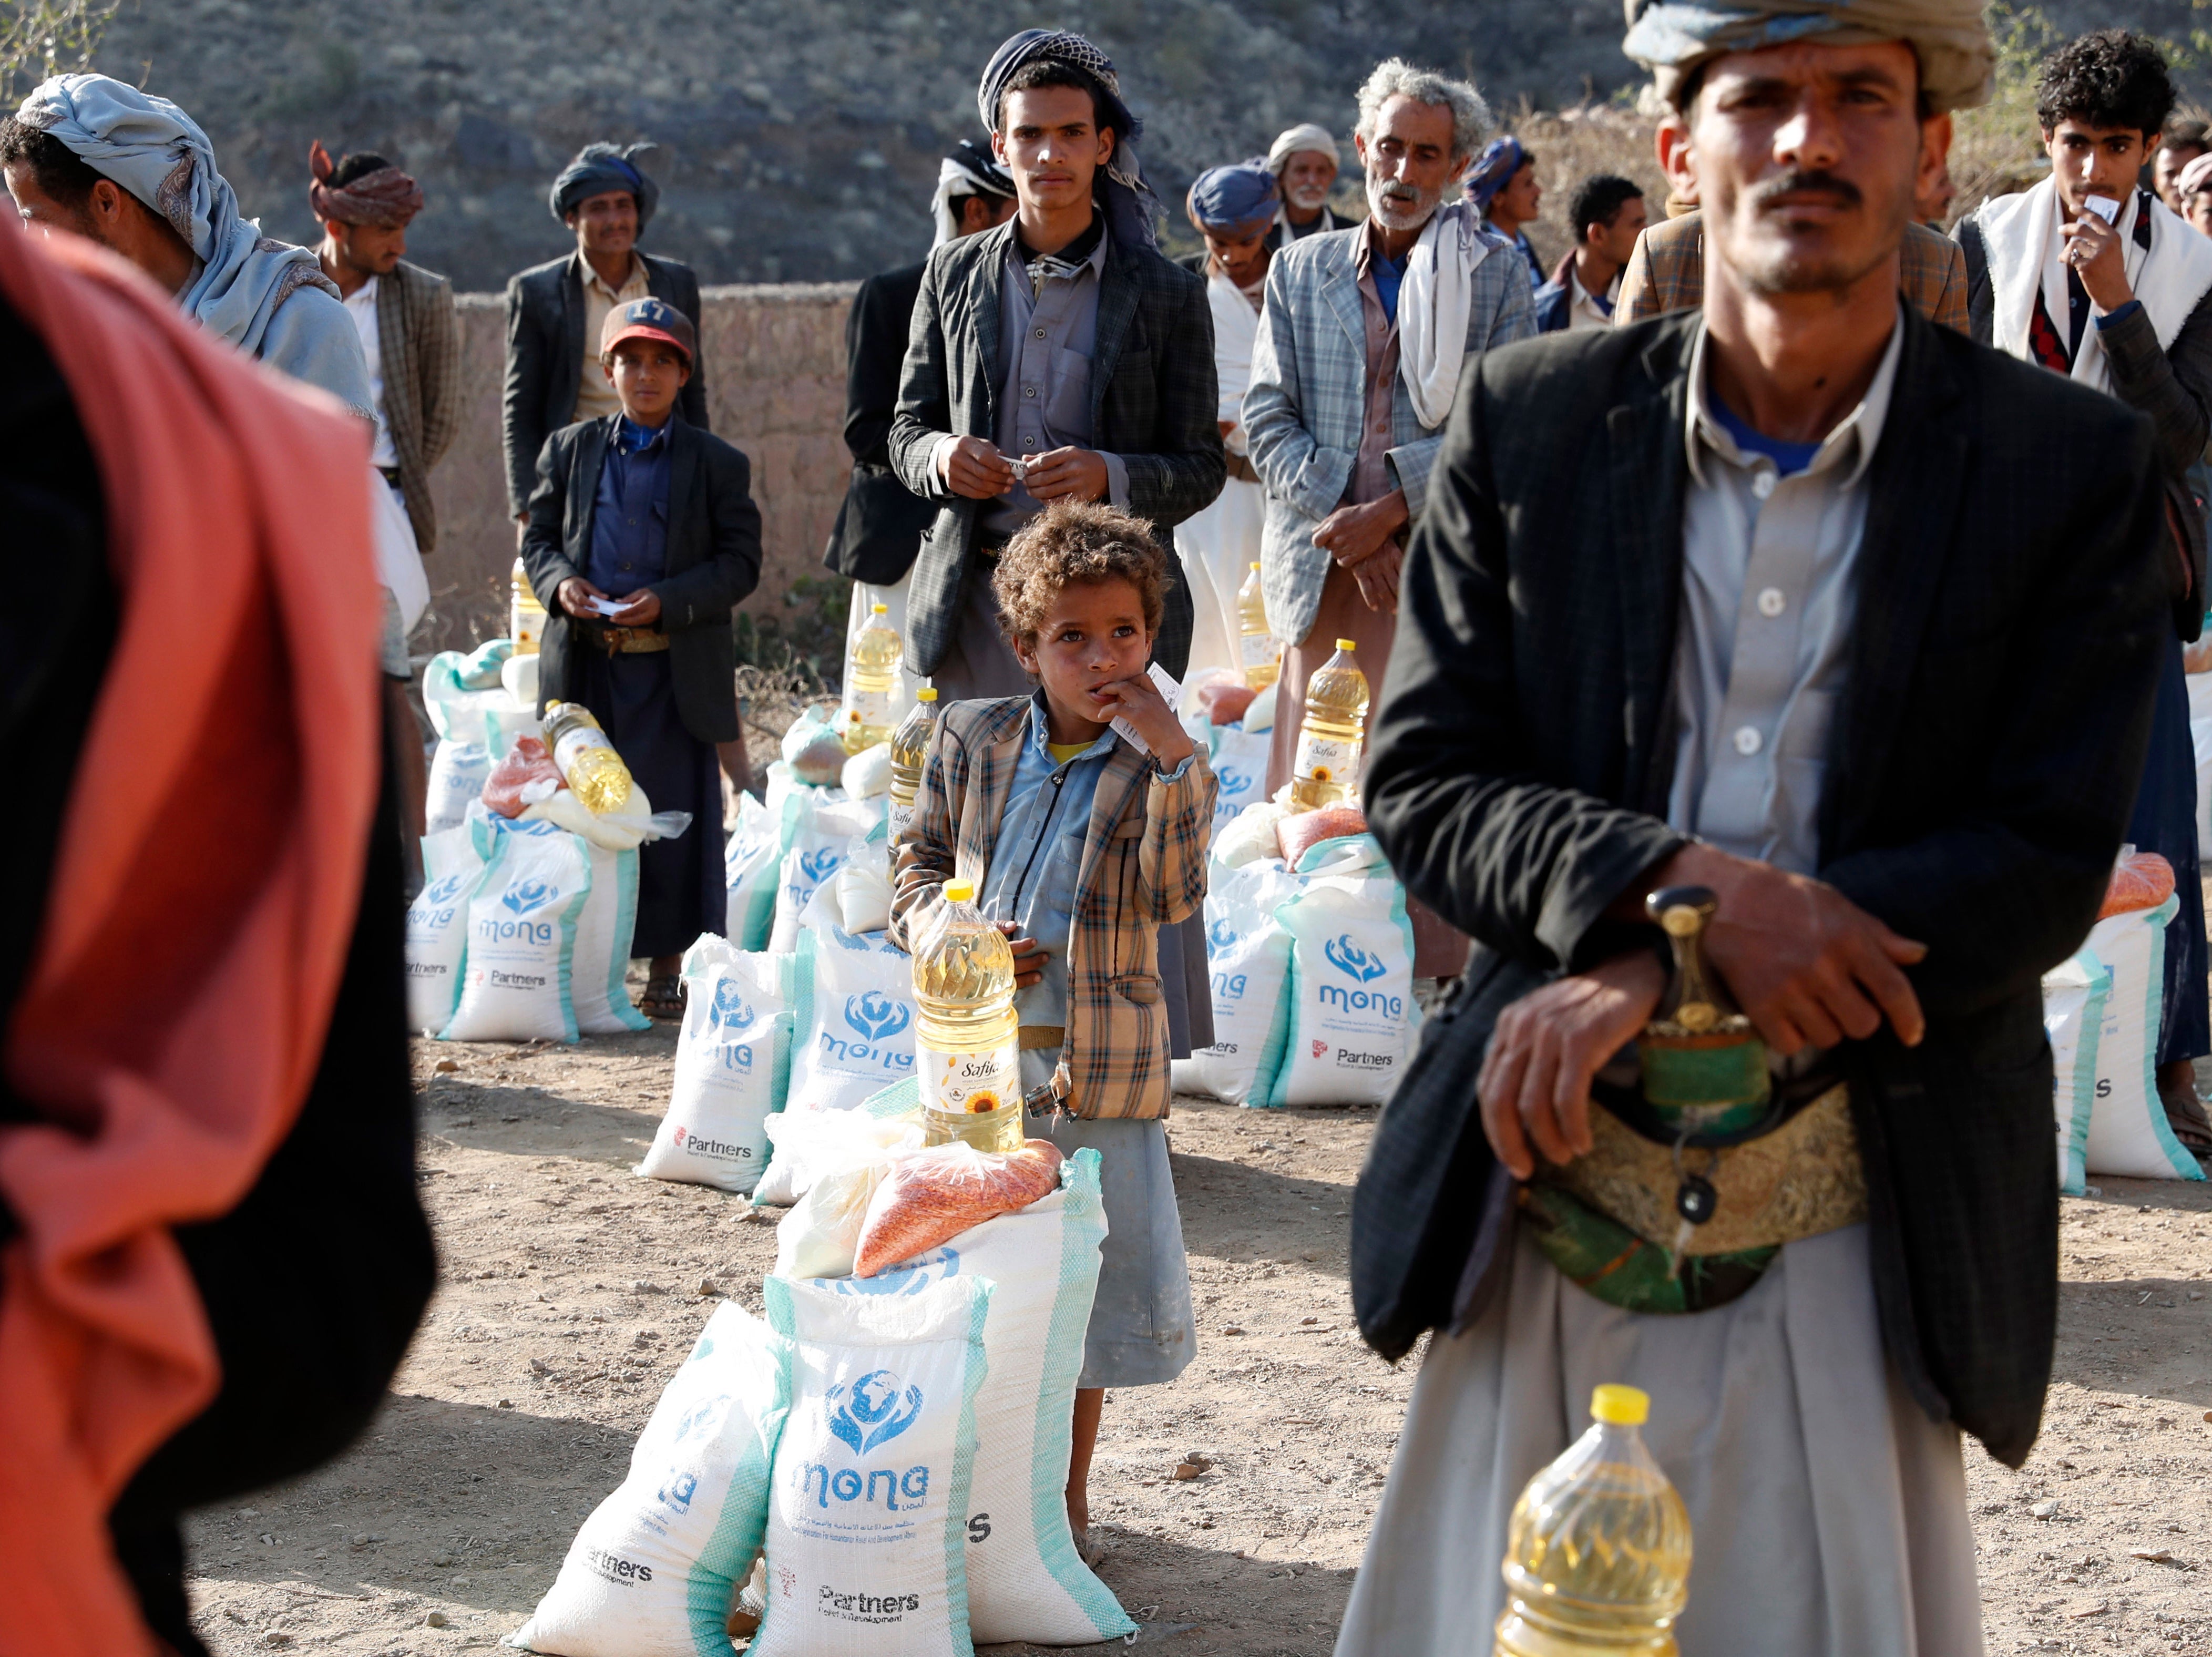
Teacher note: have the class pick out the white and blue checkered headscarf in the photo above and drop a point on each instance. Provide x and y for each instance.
(1123, 195)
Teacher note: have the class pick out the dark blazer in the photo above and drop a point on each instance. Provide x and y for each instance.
(1152, 403)
(2009, 621)
(545, 349)
(880, 523)
(713, 563)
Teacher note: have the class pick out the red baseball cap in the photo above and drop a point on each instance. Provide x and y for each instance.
(649, 319)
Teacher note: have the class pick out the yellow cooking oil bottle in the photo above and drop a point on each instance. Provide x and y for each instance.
(526, 616)
(909, 748)
(1597, 1560)
(965, 1041)
(587, 761)
(872, 682)
(1326, 771)
(1260, 650)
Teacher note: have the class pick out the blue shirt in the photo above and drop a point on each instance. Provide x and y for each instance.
(630, 513)
(1389, 275)
(1788, 458)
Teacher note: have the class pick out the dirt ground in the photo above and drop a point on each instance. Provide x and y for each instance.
(571, 1289)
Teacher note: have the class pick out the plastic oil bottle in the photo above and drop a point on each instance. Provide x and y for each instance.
(1260, 650)
(595, 773)
(909, 748)
(872, 682)
(1597, 1560)
(1326, 771)
(965, 1041)
(526, 616)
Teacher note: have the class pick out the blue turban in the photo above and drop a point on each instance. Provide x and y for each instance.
(1232, 198)
(1493, 170)
(1127, 200)
(599, 168)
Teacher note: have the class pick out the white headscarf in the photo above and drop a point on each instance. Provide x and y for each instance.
(1296, 141)
(967, 171)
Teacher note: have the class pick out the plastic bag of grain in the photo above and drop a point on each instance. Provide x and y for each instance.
(2129, 1133)
(438, 926)
(654, 1571)
(1250, 836)
(522, 937)
(1247, 959)
(2073, 996)
(855, 1006)
(868, 1505)
(733, 1057)
(809, 1143)
(1351, 986)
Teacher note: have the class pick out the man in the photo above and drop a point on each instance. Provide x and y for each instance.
(880, 523)
(404, 317)
(1304, 162)
(2194, 187)
(606, 200)
(1607, 215)
(2121, 299)
(1360, 347)
(2182, 142)
(1504, 188)
(1808, 601)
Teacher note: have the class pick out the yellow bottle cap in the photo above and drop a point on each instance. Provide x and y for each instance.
(1255, 566)
(1620, 1406)
(964, 891)
(879, 610)
(1346, 644)
(926, 693)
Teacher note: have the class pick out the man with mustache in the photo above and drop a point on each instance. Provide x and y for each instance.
(1362, 337)
(1806, 601)
(1303, 160)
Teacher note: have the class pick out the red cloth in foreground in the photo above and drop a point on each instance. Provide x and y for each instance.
(204, 894)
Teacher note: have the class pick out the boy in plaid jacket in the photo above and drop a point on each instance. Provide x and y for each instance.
(1082, 844)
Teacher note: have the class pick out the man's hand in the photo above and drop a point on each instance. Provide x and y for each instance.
(2092, 248)
(574, 596)
(1029, 957)
(1548, 1045)
(976, 469)
(639, 609)
(1807, 963)
(1138, 699)
(1351, 534)
(1377, 578)
(1079, 474)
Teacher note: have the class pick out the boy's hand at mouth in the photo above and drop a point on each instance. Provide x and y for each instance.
(1138, 699)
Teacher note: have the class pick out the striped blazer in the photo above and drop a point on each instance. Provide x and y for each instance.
(1666, 272)
(1143, 867)
(419, 338)
(1307, 401)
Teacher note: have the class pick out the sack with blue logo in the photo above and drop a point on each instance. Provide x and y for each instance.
(731, 1059)
(1025, 1583)
(2074, 992)
(654, 1570)
(869, 1503)
(1247, 960)
(853, 998)
(1352, 981)
(1239, 758)
(2127, 1133)
(458, 773)
(437, 927)
(750, 864)
(522, 937)
(598, 990)
(818, 842)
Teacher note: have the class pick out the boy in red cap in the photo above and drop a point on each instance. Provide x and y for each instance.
(643, 536)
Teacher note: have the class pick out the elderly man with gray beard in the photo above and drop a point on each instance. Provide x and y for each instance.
(1362, 339)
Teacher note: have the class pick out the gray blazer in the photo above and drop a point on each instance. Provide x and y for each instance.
(1152, 403)
(420, 342)
(1307, 401)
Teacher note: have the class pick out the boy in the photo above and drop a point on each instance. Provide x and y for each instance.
(643, 536)
(1052, 813)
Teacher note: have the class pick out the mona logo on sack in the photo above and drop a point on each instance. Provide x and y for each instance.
(820, 864)
(440, 893)
(1232, 784)
(1353, 961)
(911, 1278)
(1220, 939)
(873, 1411)
(731, 1010)
(876, 1015)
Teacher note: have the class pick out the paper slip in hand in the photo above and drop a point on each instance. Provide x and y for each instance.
(1168, 689)
(2104, 206)
(604, 606)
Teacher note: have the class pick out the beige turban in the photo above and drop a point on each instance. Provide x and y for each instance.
(1298, 138)
(1674, 38)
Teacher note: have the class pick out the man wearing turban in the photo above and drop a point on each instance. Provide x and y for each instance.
(1805, 620)
(606, 200)
(1504, 188)
(1304, 160)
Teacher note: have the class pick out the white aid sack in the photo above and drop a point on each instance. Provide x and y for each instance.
(457, 771)
(869, 1502)
(604, 927)
(1352, 989)
(1247, 959)
(1024, 1580)
(654, 1569)
(438, 926)
(750, 866)
(809, 1144)
(2129, 1134)
(820, 840)
(522, 937)
(2073, 996)
(733, 1056)
(1239, 758)
(855, 1006)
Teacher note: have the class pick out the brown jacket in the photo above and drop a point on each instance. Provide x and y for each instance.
(1666, 272)
(420, 344)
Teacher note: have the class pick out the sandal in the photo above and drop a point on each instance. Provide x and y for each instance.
(2191, 1125)
(663, 999)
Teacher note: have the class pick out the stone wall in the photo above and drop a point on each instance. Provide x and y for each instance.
(774, 358)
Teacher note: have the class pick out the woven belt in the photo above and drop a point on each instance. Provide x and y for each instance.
(626, 640)
(1241, 467)
(1036, 1038)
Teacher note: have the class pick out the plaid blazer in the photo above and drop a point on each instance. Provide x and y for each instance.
(1307, 401)
(1152, 402)
(1666, 272)
(1143, 867)
(420, 344)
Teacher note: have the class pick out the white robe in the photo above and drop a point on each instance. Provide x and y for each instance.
(1219, 544)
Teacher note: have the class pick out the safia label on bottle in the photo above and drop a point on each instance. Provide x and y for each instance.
(1325, 759)
(1258, 649)
(971, 1082)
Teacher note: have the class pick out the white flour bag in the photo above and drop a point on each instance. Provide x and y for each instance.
(1247, 959)
(809, 1144)
(1239, 758)
(731, 1059)
(750, 866)
(2129, 1133)
(1351, 990)
(654, 1569)
(457, 771)
(1024, 1580)
(438, 926)
(853, 998)
(868, 1506)
(819, 843)
(522, 937)
(604, 931)
(2073, 996)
